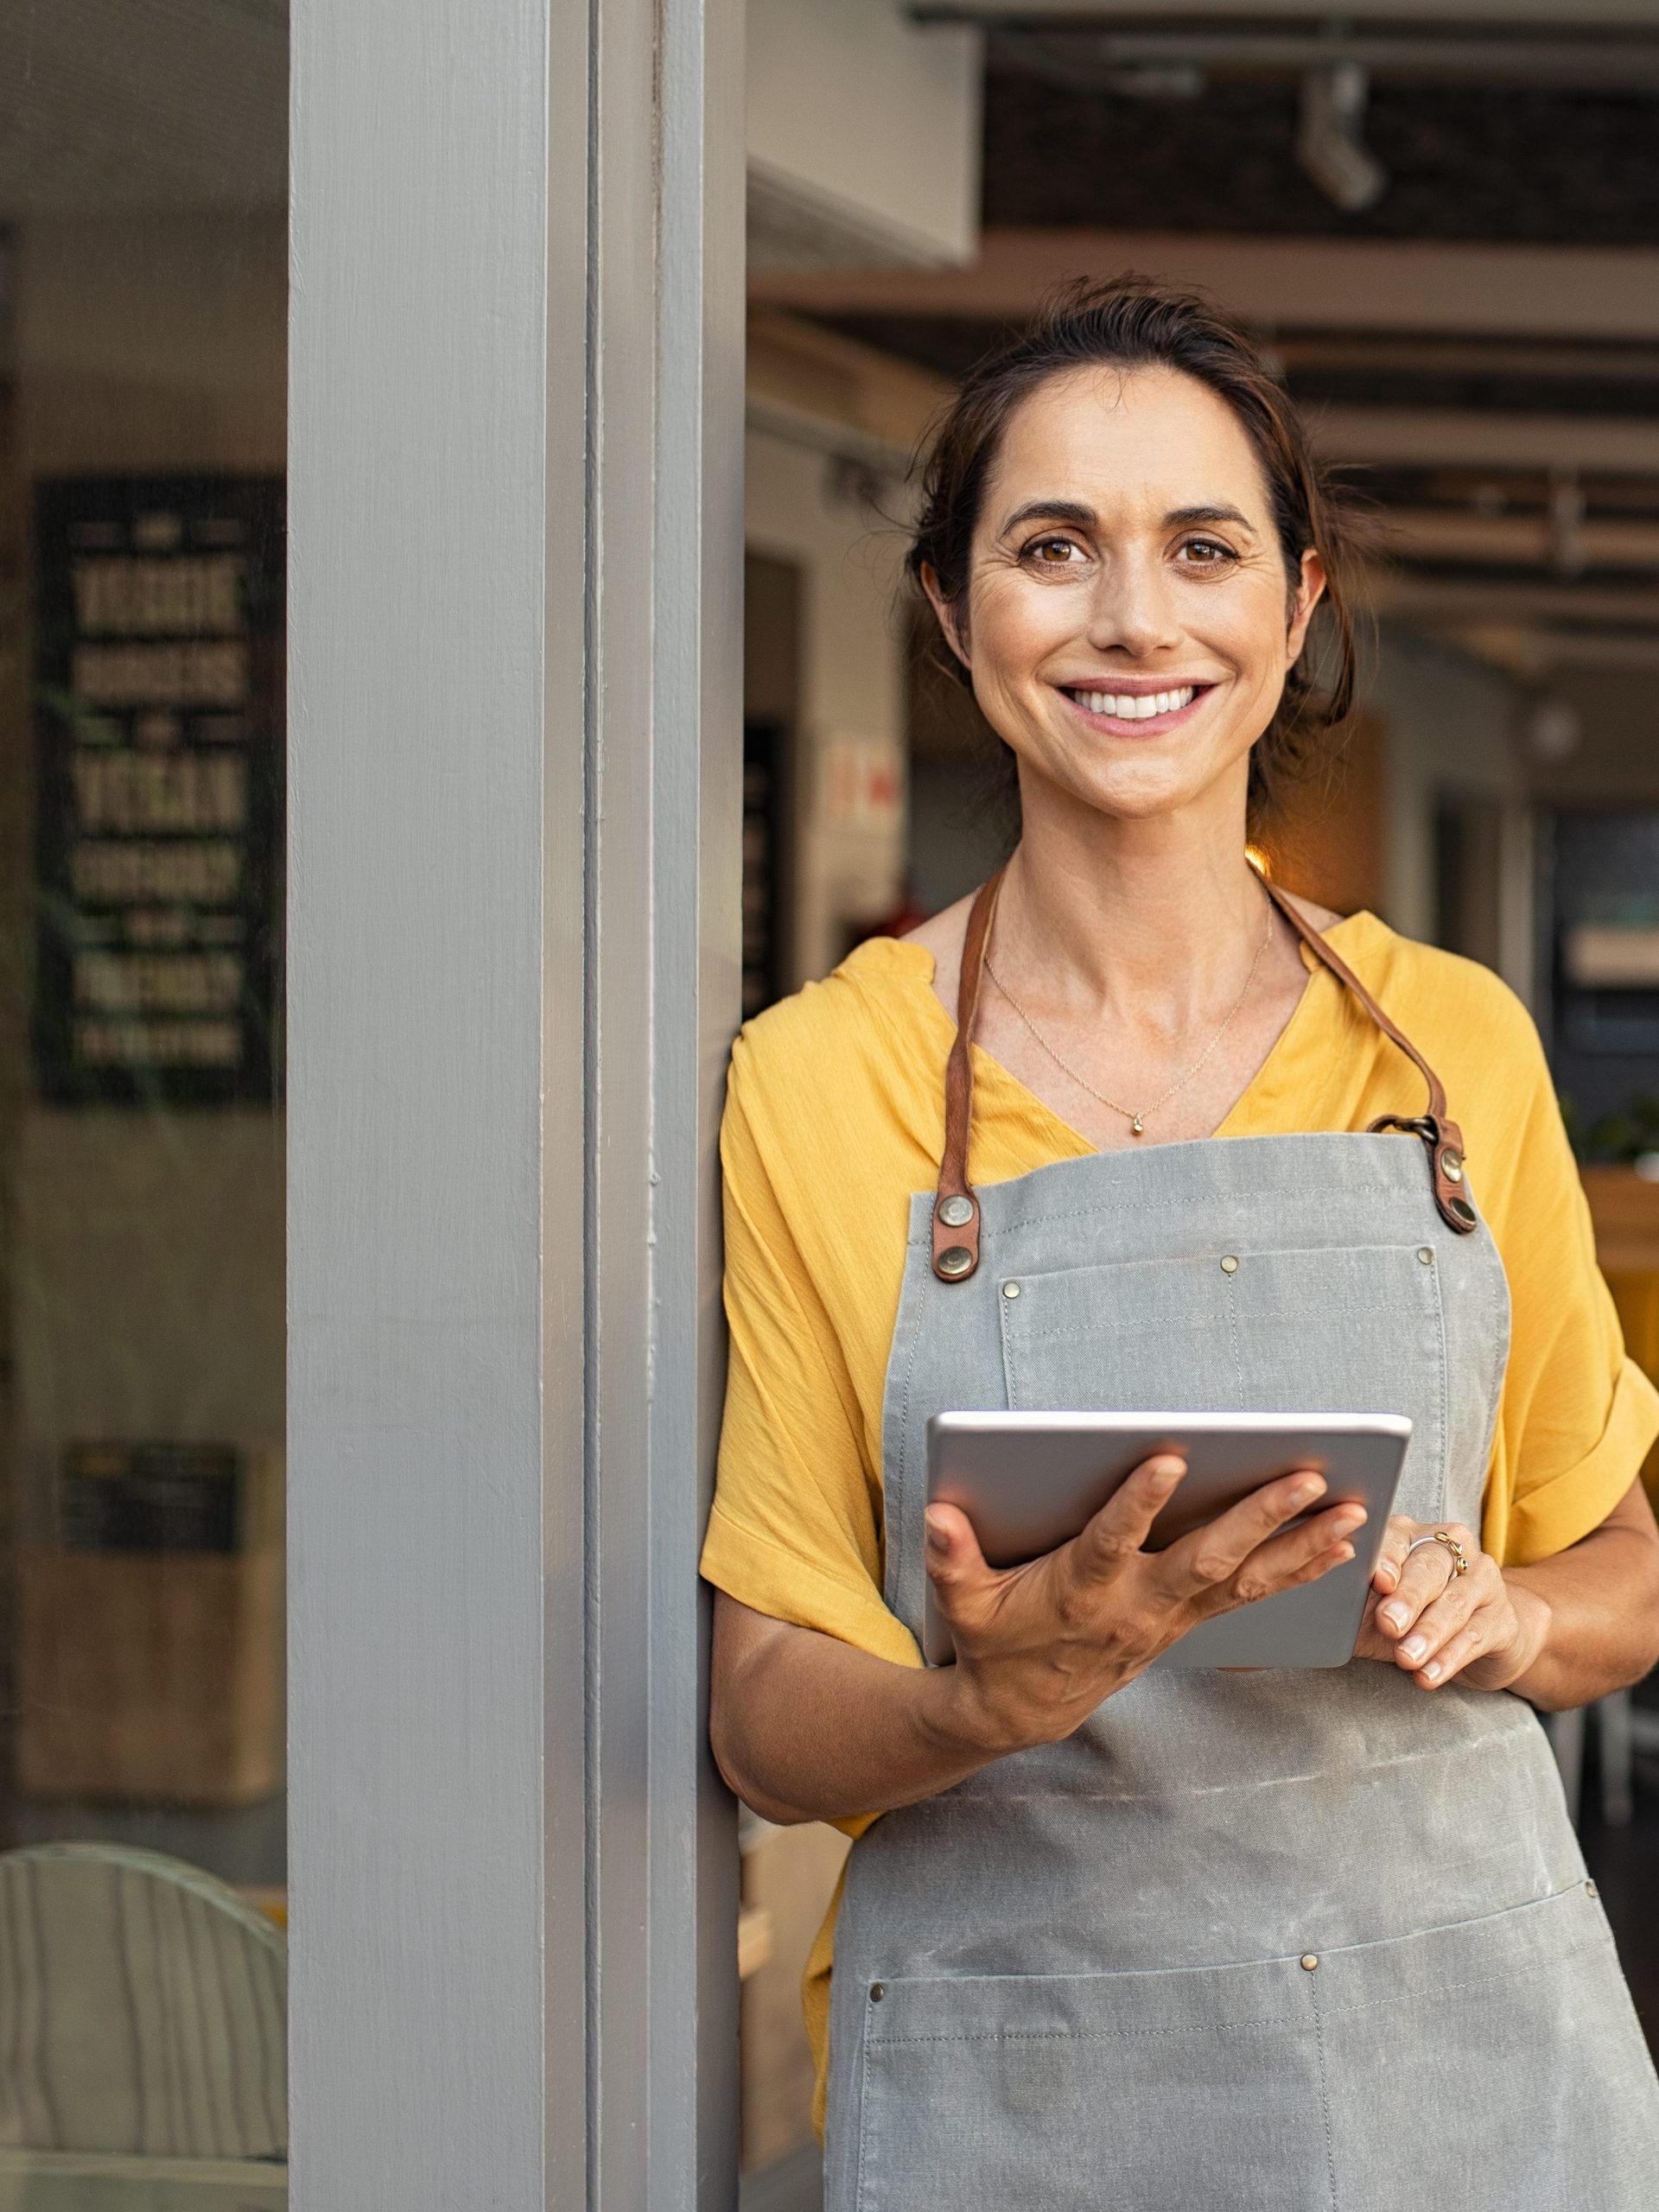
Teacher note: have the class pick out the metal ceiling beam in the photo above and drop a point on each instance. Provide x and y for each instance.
(1578, 15)
(1608, 292)
(1456, 437)
(1080, 55)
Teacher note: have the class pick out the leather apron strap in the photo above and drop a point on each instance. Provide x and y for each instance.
(955, 1209)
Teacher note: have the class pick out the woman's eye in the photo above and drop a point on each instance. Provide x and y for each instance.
(1054, 552)
(1206, 552)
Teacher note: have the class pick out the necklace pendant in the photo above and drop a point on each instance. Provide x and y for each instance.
(1136, 1126)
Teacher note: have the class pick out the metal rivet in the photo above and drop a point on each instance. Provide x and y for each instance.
(1310, 1961)
(1425, 1254)
(1461, 1210)
(1229, 1265)
(955, 1212)
(956, 1260)
(877, 1990)
(1591, 1891)
(1452, 1166)
(1010, 1290)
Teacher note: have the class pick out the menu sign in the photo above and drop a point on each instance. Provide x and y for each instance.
(158, 689)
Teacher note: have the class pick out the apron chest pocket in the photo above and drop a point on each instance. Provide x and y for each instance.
(1352, 1329)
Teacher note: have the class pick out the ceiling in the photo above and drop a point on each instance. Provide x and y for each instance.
(1475, 336)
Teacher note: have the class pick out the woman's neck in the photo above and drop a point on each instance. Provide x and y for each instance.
(1103, 912)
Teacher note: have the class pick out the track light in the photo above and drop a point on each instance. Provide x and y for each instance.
(1328, 143)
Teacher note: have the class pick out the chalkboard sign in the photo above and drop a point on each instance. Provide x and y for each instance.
(158, 693)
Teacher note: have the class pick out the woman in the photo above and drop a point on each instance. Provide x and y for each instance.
(1175, 1941)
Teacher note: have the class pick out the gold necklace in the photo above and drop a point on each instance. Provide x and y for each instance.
(1137, 1121)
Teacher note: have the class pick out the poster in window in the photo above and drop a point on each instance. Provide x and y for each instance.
(158, 720)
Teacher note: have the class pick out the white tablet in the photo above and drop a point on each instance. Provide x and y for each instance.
(1029, 1481)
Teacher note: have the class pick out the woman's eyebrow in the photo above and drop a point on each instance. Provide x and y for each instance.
(1179, 517)
(1071, 510)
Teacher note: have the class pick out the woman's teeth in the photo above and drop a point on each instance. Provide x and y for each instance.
(1135, 708)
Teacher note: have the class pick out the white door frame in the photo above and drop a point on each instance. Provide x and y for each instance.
(514, 791)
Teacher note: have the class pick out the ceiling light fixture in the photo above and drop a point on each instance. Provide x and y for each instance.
(1329, 145)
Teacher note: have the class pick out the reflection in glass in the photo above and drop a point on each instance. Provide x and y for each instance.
(142, 251)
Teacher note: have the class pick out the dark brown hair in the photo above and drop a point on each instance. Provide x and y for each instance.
(1135, 322)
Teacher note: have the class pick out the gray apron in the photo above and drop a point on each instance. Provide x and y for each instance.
(1242, 1943)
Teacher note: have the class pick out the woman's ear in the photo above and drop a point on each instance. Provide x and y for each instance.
(1310, 590)
(946, 613)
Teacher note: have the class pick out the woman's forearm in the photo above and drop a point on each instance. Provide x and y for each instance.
(1594, 1609)
(809, 1729)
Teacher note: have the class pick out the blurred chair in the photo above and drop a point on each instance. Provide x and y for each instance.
(143, 2033)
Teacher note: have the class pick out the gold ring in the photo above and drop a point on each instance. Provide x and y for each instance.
(1459, 1564)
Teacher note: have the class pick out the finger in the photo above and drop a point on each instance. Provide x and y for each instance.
(1286, 1559)
(1396, 1540)
(1422, 1578)
(1459, 1650)
(1211, 1554)
(1460, 1599)
(1123, 1524)
(956, 1566)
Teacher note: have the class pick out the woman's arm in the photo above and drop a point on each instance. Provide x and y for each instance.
(1560, 1633)
(806, 1728)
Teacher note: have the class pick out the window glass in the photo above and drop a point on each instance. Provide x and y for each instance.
(143, 272)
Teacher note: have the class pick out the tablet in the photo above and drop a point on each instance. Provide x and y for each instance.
(1029, 1481)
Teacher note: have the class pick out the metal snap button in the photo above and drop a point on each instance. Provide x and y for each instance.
(1309, 1962)
(955, 1212)
(1591, 1891)
(1461, 1210)
(1425, 1254)
(1010, 1290)
(1230, 1264)
(956, 1260)
(877, 1990)
(1452, 1166)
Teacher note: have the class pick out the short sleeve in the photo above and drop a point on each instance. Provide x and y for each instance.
(1577, 1417)
(794, 1532)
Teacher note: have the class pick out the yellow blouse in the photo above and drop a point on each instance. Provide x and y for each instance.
(834, 1116)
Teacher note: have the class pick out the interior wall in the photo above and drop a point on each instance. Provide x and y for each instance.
(1451, 724)
(804, 506)
(1616, 758)
(147, 1256)
(861, 113)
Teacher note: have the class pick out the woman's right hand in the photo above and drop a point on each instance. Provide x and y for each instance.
(1039, 1646)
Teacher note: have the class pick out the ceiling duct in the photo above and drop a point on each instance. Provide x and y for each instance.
(1329, 143)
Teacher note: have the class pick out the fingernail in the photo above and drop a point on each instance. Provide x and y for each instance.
(935, 1533)
(1414, 1648)
(1347, 1523)
(1393, 1615)
(1432, 1672)
(1304, 1493)
(1167, 1471)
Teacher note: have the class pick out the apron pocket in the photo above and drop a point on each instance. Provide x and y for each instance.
(1496, 2065)
(1193, 2089)
(1311, 1329)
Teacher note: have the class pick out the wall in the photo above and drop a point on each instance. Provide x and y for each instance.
(860, 117)
(1451, 724)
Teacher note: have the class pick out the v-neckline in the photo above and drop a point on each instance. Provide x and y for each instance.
(1002, 1074)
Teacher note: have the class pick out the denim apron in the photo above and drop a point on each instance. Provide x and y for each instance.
(1257, 1943)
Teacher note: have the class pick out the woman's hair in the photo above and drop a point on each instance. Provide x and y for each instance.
(1135, 322)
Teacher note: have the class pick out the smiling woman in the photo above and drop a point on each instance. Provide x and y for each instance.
(1286, 1939)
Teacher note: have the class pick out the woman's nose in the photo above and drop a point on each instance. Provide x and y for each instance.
(1132, 608)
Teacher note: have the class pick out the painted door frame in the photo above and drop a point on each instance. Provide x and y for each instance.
(515, 670)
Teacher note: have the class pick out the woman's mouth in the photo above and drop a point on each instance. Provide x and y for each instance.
(1146, 713)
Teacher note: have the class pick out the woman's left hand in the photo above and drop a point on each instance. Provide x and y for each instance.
(1438, 1625)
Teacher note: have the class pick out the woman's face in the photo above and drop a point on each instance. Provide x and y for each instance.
(1129, 622)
